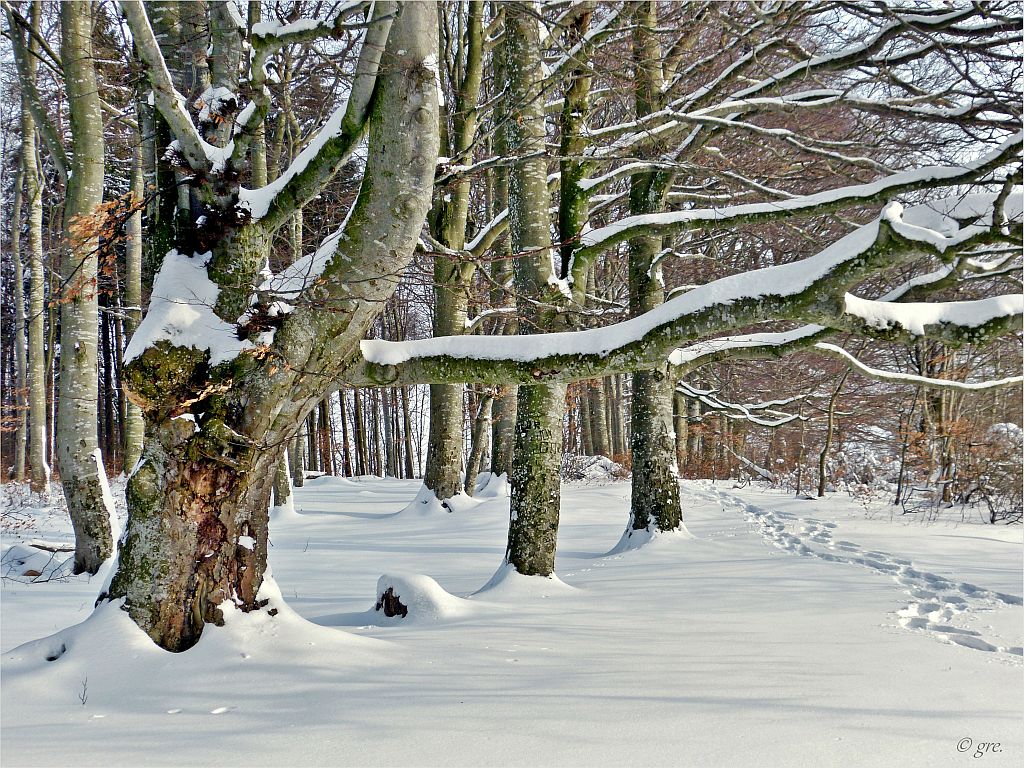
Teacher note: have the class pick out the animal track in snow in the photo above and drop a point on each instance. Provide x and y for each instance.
(935, 599)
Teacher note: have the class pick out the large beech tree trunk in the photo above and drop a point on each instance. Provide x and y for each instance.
(197, 530)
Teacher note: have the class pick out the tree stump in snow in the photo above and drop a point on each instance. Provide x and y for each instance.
(391, 605)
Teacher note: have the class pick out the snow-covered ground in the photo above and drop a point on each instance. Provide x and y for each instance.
(783, 632)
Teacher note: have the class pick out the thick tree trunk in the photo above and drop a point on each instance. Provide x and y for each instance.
(444, 446)
(197, 531)
(655, 498)
(452, 276)
(78, 458)
(197, 536)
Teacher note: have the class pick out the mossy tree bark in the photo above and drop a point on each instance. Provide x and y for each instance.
(540, 408)
(197, 531)
(655, 498)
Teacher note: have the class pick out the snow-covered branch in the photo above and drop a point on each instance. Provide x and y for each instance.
(822, 202)
(167, 100)
(814, 289)
(335, 142)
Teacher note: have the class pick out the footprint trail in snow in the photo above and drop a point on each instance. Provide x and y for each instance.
(935, 600)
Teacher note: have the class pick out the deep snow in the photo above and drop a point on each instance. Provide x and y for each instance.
(782, 632)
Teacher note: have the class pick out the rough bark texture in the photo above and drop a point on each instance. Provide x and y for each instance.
(77, 446)
(535, 481)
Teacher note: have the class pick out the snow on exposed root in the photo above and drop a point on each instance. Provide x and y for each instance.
(427, 503)
(108, 653)
(633, 539)
(415, 597)
(284, 513)
(508, 583)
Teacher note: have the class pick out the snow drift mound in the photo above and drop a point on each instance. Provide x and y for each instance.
(643, 537)
(37, 561)
(507, 582)
(592, 469)
(416, 597)
(426, 503)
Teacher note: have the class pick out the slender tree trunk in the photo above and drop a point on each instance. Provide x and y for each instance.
(20, 351)
(481, 431)
(78, 458)
(282, 482)
(38, 378)
(503, 432)
(346, 454)
(326, 433)
(134, 427)
(597, 408)
(679, 420)
(359, 430)
(390, 444)
(407, 430)
(297, 458)
(829, 425)
(107, 389)
(586, 432)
